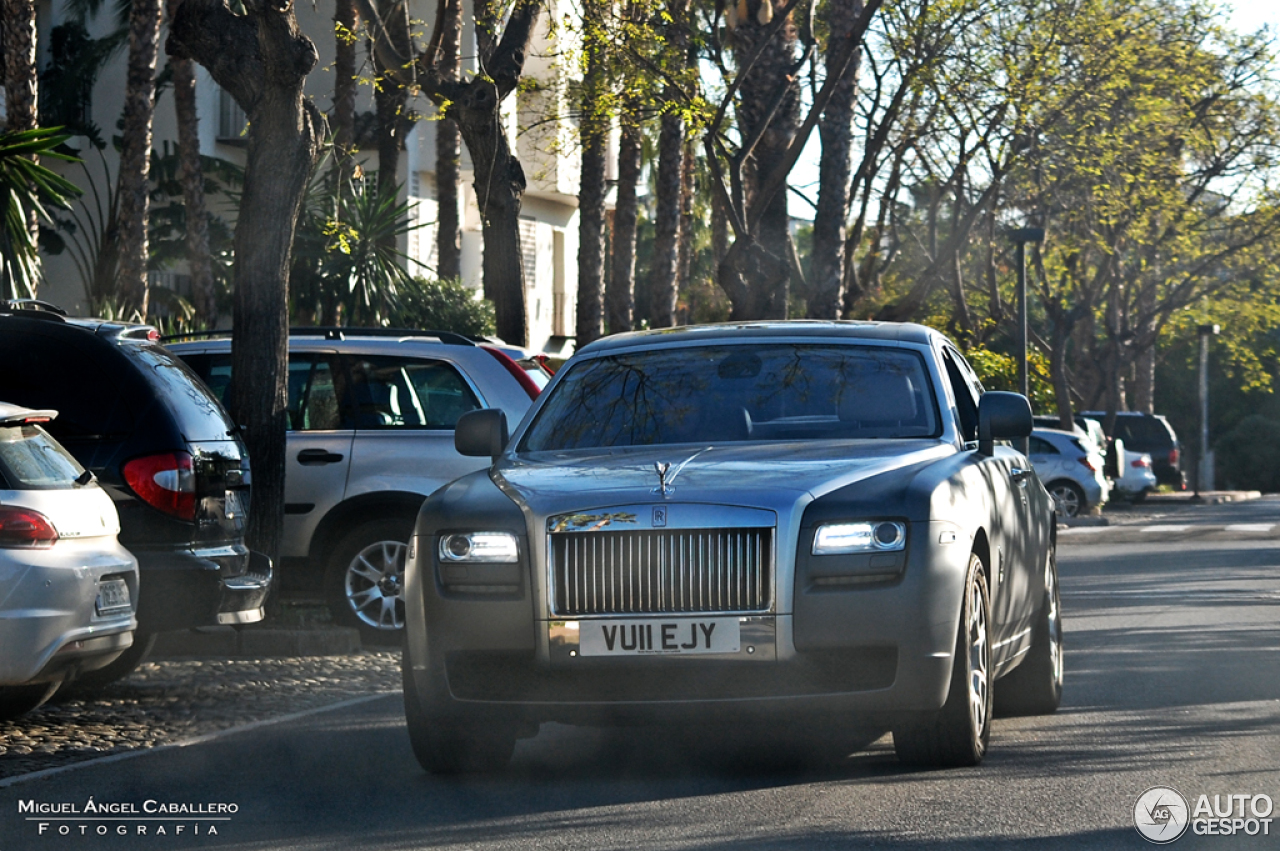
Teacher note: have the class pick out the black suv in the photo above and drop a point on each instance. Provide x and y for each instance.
(165, 450)
(1150, 433)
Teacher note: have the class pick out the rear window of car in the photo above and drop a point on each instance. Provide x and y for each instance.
(1144, 432)
(199, 414)
(31, 460)
(727, 393)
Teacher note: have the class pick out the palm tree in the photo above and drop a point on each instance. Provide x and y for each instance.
(18, 24)
(26, 189)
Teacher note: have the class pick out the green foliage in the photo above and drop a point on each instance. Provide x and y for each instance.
(345, 258)
(26, 189)
(167, 221)
(447, 305)
(999, 371)
(1248, 456)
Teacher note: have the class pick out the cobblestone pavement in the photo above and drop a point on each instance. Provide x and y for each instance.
(173, 700)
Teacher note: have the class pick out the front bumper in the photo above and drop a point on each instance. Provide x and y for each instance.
(49, 625)
(182, 589)
(874, 650)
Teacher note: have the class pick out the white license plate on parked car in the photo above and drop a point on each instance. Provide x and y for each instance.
(659, 637)
(113, 597)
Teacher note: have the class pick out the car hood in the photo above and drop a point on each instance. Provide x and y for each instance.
(775, 476)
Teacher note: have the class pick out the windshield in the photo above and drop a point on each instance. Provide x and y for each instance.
(717, 394)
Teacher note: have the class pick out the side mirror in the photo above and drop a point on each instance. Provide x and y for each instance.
(1002, 416)
(481, 434)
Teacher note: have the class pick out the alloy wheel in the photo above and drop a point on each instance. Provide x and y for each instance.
(374, 584)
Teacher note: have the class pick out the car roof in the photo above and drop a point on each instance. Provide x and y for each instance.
(903, 332)
(1054, 435)
(16, 414)
(107, 328)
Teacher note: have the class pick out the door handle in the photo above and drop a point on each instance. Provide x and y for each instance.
(314, 457)
(1019, 475)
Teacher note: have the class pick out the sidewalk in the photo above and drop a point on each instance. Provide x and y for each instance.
(1167, 516)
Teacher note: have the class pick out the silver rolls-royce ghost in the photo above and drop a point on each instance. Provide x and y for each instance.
(784, 523)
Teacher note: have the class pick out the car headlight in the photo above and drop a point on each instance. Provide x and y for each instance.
(480, 548)
(874, 537)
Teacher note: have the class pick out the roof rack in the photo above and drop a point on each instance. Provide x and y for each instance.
(335, 332)
(33, 308)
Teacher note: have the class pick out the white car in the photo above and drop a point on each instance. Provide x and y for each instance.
(1137, 476)
(68, 590)
(1070, 465)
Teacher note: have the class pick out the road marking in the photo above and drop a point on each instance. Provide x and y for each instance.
(1168, 527)
(1251, 527)
(1234, 594)
(195, 740)
(1084, 530)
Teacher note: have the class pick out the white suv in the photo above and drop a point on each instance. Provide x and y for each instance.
(371, 418)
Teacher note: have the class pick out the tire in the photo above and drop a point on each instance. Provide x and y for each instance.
(958, 733)
(16, 701)
(1035, 686)
(1068, 498)
(364, 580)
(123, 666)
(449, 746)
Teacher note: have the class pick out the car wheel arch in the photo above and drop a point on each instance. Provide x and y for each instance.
(365, 507)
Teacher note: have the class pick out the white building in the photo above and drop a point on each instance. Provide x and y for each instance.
(545, 144)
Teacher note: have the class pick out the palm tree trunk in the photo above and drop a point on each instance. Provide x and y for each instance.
(666, 224)
(21, 91)
(345, 21)
(135, 152)
(191, 175)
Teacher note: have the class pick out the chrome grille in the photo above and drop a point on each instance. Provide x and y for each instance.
(662, 571)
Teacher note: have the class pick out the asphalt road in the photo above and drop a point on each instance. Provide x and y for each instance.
(1173, 679)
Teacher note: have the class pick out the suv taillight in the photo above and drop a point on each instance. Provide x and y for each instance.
(1173, 457)
(165, 481)
(22, 527)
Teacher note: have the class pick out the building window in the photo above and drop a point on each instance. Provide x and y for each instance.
(231, 119)
(529, 250)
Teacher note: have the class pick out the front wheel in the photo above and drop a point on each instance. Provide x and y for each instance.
(449, 746)
(1035, 686)
(957, 734)
(365, 579)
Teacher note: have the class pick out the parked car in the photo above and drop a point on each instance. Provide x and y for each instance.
(1152, 434)
(1094, 439)
(164, 450)
(1071, 468)
(1139, 479)
(804, 524)
(67, 587)
(371, 417)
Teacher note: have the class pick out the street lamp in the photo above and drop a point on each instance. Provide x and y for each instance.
(1020, 237)
(1202, 463)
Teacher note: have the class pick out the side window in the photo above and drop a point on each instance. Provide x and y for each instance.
(400, 393)
(966, 398)
(313, 397)
(1041, 447)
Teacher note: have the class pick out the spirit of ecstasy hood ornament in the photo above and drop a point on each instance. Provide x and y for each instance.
(666, 484)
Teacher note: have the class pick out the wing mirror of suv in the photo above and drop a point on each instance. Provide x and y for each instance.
(1002, 416)
(481, 434)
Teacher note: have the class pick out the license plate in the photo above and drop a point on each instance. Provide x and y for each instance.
(654, 637)
(113, 597)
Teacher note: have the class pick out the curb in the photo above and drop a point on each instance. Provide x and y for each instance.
(227, 642)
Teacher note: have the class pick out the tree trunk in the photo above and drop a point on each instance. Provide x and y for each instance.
(685, 248)
(391, 98)
(262, 59)
(666, 224)
(620, 295)
(21, 98)
(835, 169)
(135, 152)
(449, 152)
(591, 195)
(191, 175)
(345, 21)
